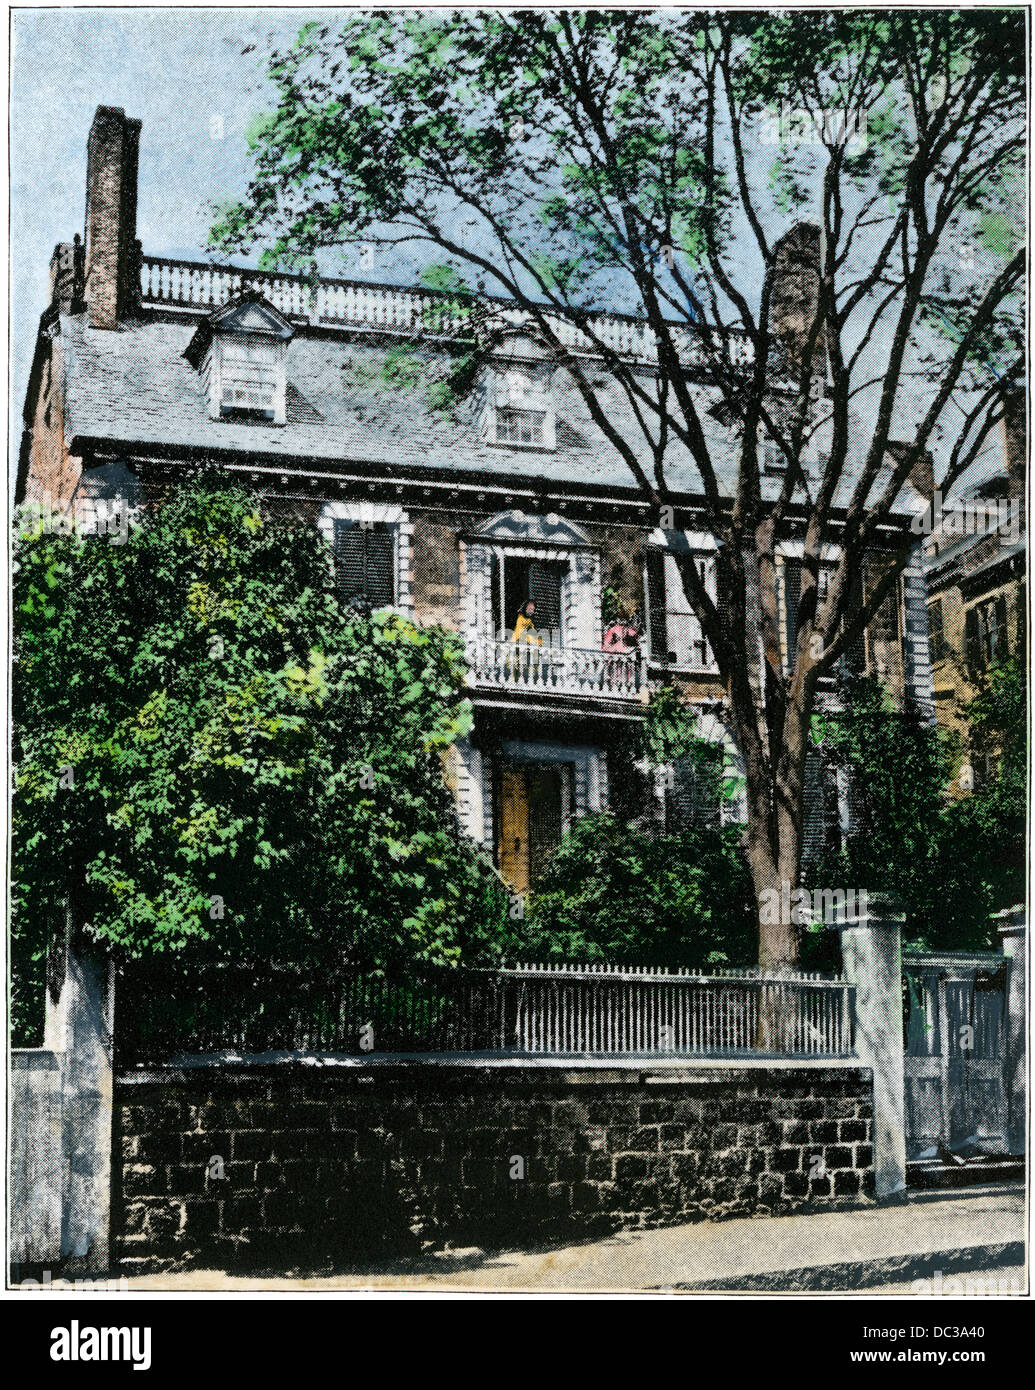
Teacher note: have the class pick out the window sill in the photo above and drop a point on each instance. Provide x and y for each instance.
(523, 448)
(252, 420)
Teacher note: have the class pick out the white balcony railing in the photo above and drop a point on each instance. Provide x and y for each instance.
(503, 664)
(349, 304)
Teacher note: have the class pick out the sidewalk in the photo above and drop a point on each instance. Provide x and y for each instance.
(925, 1237)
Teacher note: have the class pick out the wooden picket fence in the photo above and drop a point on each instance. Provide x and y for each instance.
(528, 1009)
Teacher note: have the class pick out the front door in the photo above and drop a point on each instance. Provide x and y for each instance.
(534, 809)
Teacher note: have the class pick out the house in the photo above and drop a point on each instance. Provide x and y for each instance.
(147, 368)
(976, 563)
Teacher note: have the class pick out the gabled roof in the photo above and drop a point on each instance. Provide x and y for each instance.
(136, 388)
(249, 313)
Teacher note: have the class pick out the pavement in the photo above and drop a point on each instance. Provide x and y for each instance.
(970, 1242)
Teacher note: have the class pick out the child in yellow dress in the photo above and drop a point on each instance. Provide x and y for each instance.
(526, 667)
(524, 628)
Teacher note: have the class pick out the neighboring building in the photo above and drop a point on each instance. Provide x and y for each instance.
(976, 560)
(148, 368)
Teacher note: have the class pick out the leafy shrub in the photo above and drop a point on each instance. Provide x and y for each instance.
(611, 893)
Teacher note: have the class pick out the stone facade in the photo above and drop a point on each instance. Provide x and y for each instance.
(229, 1163)
(986, 570)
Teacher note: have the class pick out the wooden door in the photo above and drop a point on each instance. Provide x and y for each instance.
(534, 811)
(545, 816)
(513, 835)
(955, 1038)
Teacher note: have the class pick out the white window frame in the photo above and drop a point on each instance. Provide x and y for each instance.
(372, 513)
(520, 386)
(702, 548)
(218, 372)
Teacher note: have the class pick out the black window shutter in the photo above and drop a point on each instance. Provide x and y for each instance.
(493, 621)
(973, 640)
(695, 797)
(364, 564)
(1001, 644)
(348, 560)
(854, 658)
(814, 817)
(792, 600)
(656, 605)
(937, 630)
(708, 789)
(544, 588)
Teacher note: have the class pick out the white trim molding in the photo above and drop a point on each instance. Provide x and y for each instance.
(389, 514)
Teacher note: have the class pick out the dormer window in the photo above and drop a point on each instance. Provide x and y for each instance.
(249, 377)
(518, 397)
(240, 352)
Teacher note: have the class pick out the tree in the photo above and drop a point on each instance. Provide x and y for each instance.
(666, 163)
(989, 828)
(951, 862)
(897, 772)
(214, 757)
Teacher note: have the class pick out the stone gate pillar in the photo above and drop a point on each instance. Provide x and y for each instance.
(79, 1024)
(871, 951)
(1012, 936)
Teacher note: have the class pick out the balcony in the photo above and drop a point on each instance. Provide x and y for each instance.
(505, 665)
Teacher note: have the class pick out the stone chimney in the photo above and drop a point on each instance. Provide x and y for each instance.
(111, 216)
(795, 298)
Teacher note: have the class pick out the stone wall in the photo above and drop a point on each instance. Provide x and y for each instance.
(293, 1163)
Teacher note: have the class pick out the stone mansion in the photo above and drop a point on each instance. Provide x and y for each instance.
(148, 368)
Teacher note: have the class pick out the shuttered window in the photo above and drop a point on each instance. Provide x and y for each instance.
(937, 625)
(364, 564)
(675, 632)
(986, 634)
(885, 625)
(854, 658)
(695, 797)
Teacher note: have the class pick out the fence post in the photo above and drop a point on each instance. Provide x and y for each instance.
(1012, 934)
(871, 953)
(79, 1023)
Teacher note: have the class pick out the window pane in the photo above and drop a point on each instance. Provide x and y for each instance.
(519, 426)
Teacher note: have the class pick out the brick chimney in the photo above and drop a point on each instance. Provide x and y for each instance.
(111, 216)
(795, 297)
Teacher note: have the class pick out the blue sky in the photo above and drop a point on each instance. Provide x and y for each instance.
(174, 69)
